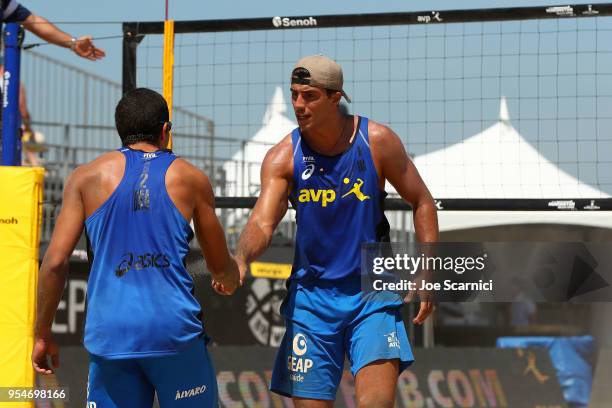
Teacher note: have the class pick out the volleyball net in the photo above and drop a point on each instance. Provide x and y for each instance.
(500, 109)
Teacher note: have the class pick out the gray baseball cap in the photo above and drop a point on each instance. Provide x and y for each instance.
(321, 72)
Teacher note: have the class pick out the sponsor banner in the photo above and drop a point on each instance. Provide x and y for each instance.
(433, 17)
(455, 377)
(270, 270)
(440, 377)
(20, 220)
(490, 271)
(293, 22)
(69, 320)
(561, 10)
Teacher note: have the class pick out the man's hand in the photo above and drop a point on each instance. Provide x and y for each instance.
(425, 310)
(426, 297)
(242, 268)
(227, 282)
(48, 31)
(85, 48)
(44, 348)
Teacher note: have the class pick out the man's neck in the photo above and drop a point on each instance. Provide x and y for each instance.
(144, 146)
(332, 138)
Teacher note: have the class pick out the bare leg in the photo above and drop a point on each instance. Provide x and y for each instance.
(311, 403)
(376, 383)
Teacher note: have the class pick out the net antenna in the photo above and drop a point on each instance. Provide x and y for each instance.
(168, 66)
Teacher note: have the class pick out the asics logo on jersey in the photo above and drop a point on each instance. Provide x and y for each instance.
(326, 196)
(308, 172)
(148, 260)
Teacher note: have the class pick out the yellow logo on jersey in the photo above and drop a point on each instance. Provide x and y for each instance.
(356, 189)
(327, 196)
(309, 194)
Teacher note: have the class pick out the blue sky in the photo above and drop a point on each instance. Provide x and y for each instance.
(149, 10)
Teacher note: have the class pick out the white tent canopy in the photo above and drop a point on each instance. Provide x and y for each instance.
(500, 163)
(242, 171)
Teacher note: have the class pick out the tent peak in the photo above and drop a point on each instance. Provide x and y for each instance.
(504, 114)
(276, 107)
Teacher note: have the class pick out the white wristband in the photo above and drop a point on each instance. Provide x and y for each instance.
(73, 43)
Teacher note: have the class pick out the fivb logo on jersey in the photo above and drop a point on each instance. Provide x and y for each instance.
(310, 167)
(299, 365)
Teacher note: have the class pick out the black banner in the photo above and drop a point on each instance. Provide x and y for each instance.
(374, 19)
(440, 377)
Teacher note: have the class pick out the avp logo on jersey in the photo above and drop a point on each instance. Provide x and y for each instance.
(326, 196)
(299, 365)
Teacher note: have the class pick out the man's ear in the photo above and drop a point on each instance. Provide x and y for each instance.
(164, 138)
(336, 96)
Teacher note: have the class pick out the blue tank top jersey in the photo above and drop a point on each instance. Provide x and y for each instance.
(140, 298)
(339, 206)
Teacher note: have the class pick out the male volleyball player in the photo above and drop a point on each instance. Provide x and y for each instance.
(333, 169)
(143, 329)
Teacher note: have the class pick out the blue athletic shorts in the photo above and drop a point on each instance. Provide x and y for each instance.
(186, 379)
(328, 320)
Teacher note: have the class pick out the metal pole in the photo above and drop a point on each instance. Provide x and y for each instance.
(66, 159)
(131, 39)
(243, 170)
(11, 119)
(211, 132)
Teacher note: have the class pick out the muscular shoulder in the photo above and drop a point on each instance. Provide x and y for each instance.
(107, 165)
(383, 140)
(279, 159)
(183, 171)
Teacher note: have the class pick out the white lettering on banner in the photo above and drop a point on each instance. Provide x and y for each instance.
(293, 22)
(74, 305)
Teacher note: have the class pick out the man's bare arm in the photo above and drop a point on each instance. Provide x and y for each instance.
(43, 28)
(211, 237)
(271, 205)
(397, 167)
(54, 270)
(23, 109)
